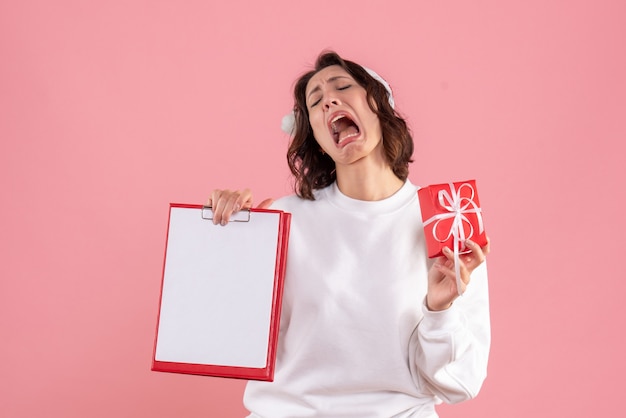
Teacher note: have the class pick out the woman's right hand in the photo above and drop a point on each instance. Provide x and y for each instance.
(226, 202)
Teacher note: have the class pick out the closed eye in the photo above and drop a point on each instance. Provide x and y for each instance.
(338, 88)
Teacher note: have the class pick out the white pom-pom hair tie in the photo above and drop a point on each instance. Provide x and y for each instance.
(288, 124)
(382, 81)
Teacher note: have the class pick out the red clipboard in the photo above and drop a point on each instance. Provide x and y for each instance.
(221, 293)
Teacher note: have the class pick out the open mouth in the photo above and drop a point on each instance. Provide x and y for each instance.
(343, 127)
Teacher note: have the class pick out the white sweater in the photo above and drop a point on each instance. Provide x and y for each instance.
(356, 339)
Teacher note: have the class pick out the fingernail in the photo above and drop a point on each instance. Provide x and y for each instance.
(469, 242)
(237, 207)
(446, 250)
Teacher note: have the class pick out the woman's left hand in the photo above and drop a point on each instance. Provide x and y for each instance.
(442, 287)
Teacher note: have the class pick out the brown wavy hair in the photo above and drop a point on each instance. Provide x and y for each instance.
(314, 169)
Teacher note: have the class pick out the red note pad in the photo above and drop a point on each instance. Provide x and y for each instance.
(221, 293)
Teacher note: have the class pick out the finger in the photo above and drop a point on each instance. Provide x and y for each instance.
(449, 254)
(475, 248)
(243, 200)
(477, 255)
(445, 270)
(266, 203)
(449, 274)
(439, 264)
(215, 203)
(450, 271)
(235, 201)
(227, 202)
(213, 197)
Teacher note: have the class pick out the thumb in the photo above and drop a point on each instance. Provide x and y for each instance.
(265, 204)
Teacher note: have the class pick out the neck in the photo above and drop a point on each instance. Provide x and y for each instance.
(367, 182)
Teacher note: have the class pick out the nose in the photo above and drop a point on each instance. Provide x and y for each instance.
(331, 100)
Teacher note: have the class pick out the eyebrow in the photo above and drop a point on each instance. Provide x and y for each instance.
(330, 80)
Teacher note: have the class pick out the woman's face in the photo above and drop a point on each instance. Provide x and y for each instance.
(343, 124)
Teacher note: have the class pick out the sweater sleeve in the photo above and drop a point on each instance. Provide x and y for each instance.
(449, 349)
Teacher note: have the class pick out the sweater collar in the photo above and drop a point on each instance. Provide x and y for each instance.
(399, 199)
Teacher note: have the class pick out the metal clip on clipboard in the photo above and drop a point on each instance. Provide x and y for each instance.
(241, 216)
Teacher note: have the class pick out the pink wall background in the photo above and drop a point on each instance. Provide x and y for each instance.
(111, 110)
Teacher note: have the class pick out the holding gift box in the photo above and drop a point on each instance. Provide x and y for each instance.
(451, 213)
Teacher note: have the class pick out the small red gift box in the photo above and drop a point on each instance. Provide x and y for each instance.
(451, 214)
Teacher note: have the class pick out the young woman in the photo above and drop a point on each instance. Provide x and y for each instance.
(370, 327)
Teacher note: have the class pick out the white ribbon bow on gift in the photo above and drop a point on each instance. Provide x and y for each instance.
(457, 207)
